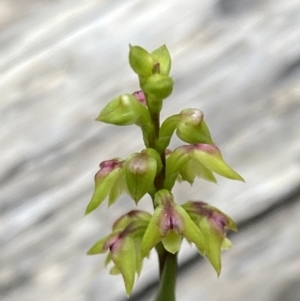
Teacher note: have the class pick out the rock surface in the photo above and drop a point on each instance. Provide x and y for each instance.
(61, 61)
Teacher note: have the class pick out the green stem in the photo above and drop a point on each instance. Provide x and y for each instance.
(167, 261)
(168, 273)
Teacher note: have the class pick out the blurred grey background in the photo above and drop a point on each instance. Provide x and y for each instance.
(61, 61)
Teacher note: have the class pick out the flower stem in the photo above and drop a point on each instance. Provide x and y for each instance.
(168, 273)
(167, 261)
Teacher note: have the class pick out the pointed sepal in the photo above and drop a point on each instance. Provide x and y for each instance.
(141, 61)
(174, 163)
(123, 256)
(152, 234)
(210, 156)
(100, 247)
(194, 169)
(162, 58)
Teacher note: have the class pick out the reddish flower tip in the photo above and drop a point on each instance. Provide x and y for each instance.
(107, 166)
(140, 96)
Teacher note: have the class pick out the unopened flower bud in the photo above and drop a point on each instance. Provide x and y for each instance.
(141, 61)
(162, 57)
(158, 86)
(192, 128)
(123, 110)
(154, 154)
(140, 171)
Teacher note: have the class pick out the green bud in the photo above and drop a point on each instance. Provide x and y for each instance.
(140, 171)
(158, 86)
(154, 154)
(162, 57)
(191, 128)
(123, 110)
(141, 61)
(210, 156)
(126, 110)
